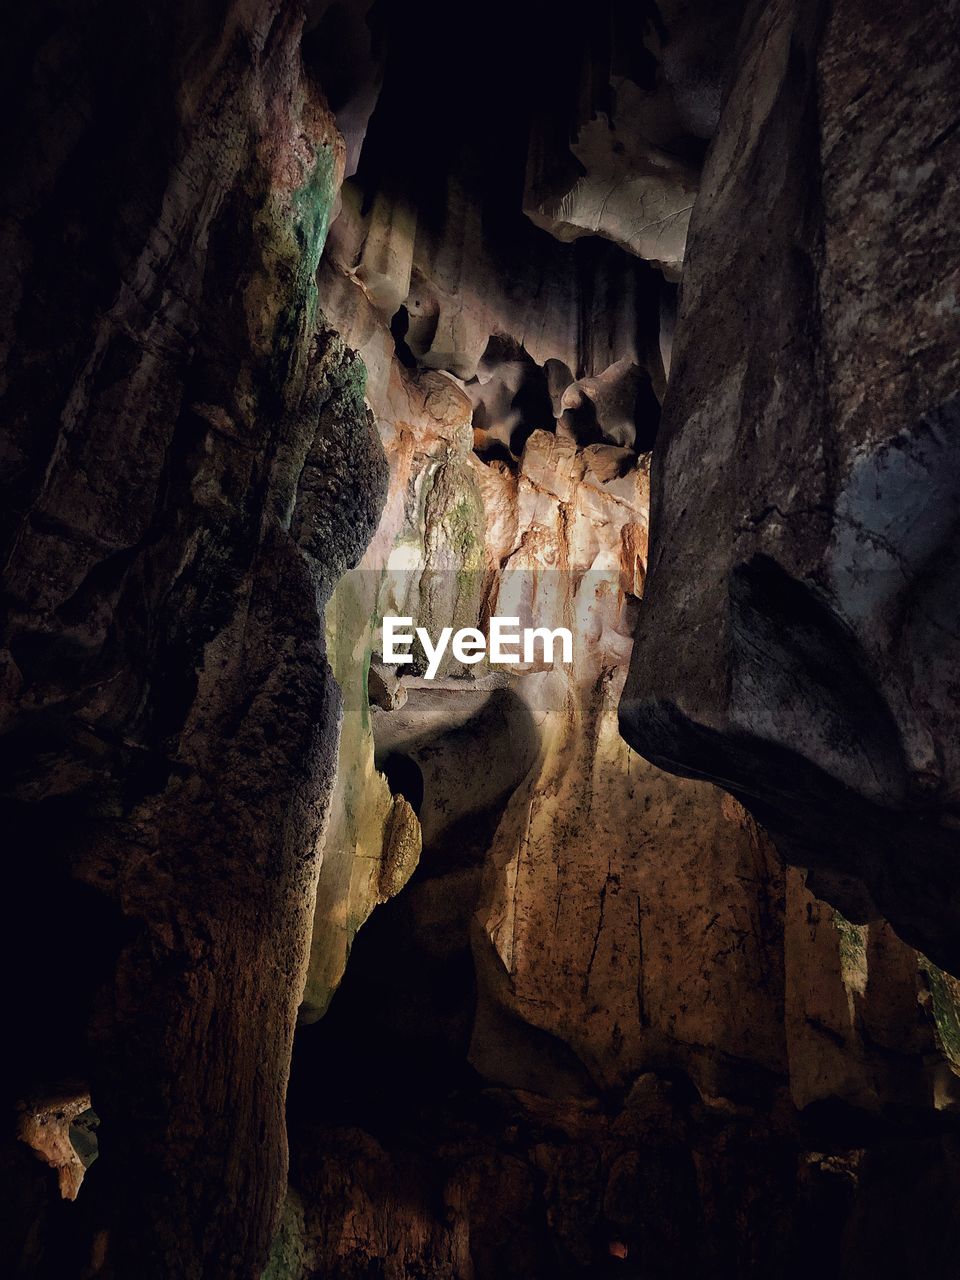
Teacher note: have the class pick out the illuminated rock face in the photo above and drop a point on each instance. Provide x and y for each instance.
(647, 95)
(799, 633)
(582, 926)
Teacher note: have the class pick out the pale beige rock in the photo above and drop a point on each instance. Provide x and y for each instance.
(623, 914)
(632, 186)
(612, 395)
(386, 261)
(631, 917)
(371, 842)
(44, 1125)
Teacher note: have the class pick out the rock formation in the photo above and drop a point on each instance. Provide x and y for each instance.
(798, 639)
(319, 312)
(599, 995)
(189, 467)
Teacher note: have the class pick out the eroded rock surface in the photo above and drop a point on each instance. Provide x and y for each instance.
(563, 1012)
(648, 92)
(607, 1009)
(799, 632)
(47, 1126)
(188, 468)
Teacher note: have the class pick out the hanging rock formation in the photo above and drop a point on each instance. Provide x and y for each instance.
(799, 632)
(599, 999)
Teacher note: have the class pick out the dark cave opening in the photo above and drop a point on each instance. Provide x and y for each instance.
(405, 778)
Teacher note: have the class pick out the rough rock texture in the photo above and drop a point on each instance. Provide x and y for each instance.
(625, 910)
(435, 235)
(600, 1030)
(527, 1188)
(188, 468)
(371, 843)
(798, 640)
(48, 1126)
(581, 312)
(563, 1012)
(599, 1016)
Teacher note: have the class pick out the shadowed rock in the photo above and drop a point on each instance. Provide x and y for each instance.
(800, 634)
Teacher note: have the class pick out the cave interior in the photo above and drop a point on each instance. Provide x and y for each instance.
(633, 317)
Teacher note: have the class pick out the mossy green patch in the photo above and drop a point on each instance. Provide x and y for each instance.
(465, 523)
(313, 203)
(304, 234)
(945, 1005)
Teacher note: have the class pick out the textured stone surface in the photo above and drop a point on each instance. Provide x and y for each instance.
(188, 468)
(624, 909)
(45, 1126)
(799, 632)
(563, 1013)
(631, 186)
(612, 954)
(660, 1182)
(371, 842)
